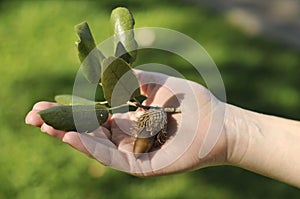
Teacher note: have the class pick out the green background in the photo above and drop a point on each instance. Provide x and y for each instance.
(39, 60)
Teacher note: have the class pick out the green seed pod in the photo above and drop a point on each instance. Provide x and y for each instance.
(62, 117)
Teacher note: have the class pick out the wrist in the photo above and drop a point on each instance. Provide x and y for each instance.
(240, 125)
(264, 144)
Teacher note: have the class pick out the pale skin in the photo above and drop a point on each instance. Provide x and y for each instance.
(264, 144)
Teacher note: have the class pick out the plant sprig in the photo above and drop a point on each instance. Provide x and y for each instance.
(112, 74)
(121, 88)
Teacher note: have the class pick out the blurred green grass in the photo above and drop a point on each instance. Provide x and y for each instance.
(39, 60)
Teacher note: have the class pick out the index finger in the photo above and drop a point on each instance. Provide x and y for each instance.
(33, 118)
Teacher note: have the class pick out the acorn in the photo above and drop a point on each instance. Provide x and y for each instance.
(150, 130)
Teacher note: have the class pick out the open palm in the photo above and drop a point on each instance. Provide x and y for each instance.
(195, 136)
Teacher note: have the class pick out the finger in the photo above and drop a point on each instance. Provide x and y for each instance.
(52, 132)
(33, 118)
(122, 126)
(101, 132)
(72, 138)
(150, 81)
(161, 89)
(106, 152)
(44, 105)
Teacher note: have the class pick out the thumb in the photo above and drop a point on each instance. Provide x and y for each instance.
(150, 81)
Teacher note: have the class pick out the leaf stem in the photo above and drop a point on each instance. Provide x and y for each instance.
(166, 109)
(117, 107)
(101, 103)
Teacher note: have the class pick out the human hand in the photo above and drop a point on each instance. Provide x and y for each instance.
(196, 137)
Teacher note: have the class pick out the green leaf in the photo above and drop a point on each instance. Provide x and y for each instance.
(123, 23)
(140, 98)
(122, 53)
(88, 54)
(72, 100)
(118, 79)
(87, 117)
